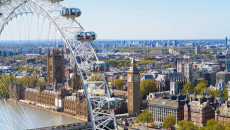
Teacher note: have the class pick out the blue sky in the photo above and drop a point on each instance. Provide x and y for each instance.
(142, 19)
(155, 19)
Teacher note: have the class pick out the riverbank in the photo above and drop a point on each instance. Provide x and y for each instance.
(18, 116)
(41, 108)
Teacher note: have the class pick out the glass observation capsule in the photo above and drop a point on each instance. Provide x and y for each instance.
(70, 12)
(86, 36)
(56, 0)
(109, 104)
(99, 66)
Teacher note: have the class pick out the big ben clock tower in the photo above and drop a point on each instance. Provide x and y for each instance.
(133, 82)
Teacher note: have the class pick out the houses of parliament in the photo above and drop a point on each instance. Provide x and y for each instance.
(54, 95)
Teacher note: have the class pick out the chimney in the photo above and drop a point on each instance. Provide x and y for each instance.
(208, 102)
(200, 100)
(215, 101)
(226, 103)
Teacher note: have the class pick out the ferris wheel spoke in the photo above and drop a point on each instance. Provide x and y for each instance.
(83, 52)
(20, 110)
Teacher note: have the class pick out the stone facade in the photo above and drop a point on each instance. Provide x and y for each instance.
(61, 100)
(185, 68)
(41, 97)
(77, 105)
(162, 83)
(133, 83)
(16, 91)
(122, 96)
(173, 88)
(162, 106)
(55, 67)
(180, 66)
(188, 71)
(75, 80)
(198, 109)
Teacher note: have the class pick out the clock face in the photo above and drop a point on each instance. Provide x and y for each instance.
(136, 78)
(129, 79)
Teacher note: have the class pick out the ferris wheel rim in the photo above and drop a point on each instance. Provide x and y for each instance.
(65, 39)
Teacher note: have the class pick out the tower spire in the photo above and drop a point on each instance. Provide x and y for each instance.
(48, 52)
(133, 61)
(28, 85)
(55, 85)
(75, 70)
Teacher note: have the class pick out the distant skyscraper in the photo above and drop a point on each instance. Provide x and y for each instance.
(168, 44)
(197, 49)
(39, 50)
(174, 43)
(228, 61)
(226, 42)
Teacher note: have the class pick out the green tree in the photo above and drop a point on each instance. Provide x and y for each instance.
(5, 82)
(201, 128)
(148, 56)
(96, 78)
(216, 93)
(169, 121)
(201, 86)
(188, 86)
(225, 94)
(165, 66)
(227, 126)
(147, 86)
(186, 125)
(118, 63)
(43, 82)
(4, 91)
(145, 62)
(118, 83)
(145, 117)
(31, 80)
(213, 125)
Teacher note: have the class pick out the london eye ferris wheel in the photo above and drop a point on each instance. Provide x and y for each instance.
(64, 21)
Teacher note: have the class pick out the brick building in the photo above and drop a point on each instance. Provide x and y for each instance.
(200, 109)
(222, 114)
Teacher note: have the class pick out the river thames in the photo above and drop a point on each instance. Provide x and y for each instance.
(18, 117)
